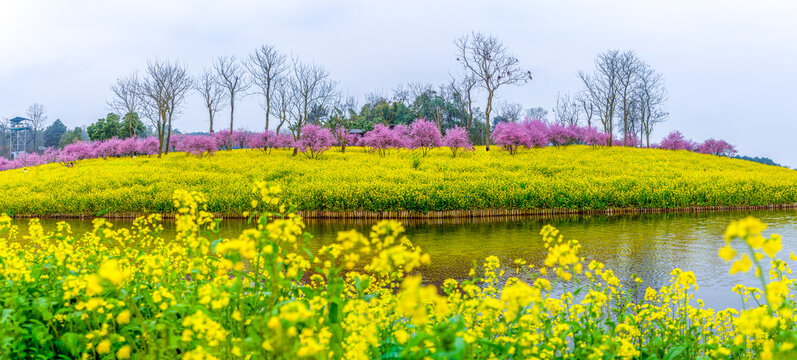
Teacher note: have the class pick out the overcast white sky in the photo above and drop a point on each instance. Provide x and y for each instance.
(729, 65)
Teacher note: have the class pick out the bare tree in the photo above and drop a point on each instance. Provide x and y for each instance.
(282, 102)
(126, 100)
(650, 96)
(509, 112)
(231, 77)
(310, 88)
(567, 111)
(266, 65)
(416, 89)
(538, 113)
(207, 85)
(487, 60)
(586, 106)
(4, 129)
(37, 116)
(345, 111)
(603, 87)
(375, 97)
(629, 66)
(162, 91)
(401, 95)
(464, 90)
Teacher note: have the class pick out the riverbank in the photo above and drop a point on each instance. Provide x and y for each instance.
(567, 180)
(452, 214)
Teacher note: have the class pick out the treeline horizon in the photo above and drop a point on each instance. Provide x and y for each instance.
(621, 96)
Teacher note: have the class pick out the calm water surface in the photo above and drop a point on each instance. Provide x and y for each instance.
(648, 245)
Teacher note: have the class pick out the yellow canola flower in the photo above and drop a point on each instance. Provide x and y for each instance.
(742, 265)
(104, 347)
(776, 292)
(401, 336)
(123, 352)
(111, 270)
(276, 306)
(123, 318)
(772, 245)
(755, 241)
(747, 227)
(727, 253)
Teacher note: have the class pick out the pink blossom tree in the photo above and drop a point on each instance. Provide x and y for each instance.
(197, 145)
(239, 138)
(354, 139)
(510, 136)
(588, 135)
(404, 134)
(676, 141)
(425, 135)
(560, 135)
(128, 147)
(632, 140)
(147, 146)
(381, 139)
(457, 140)
(314, 140)
(257, 140)
(108, 148)
(77, 151)
(343, 137)
(535, 133)
(281, 141)
(717, 147)
(175, 141)
(223, 139)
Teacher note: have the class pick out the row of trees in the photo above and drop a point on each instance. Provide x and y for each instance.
(421, 136)
(160, 93)
(623, 94)
(296, 93)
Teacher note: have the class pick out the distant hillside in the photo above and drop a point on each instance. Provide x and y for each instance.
(761, 160)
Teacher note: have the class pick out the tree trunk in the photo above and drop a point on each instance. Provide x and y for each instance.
(610, 122)
(268, 106)
(210, 115)
(160, 134)
(487, 111)
(470, 112)
(297, 134)
(232, 110)
(168, 134)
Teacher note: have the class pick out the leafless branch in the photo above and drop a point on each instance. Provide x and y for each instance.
(486, 59)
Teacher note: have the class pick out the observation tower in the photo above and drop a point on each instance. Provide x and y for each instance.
(18, 136)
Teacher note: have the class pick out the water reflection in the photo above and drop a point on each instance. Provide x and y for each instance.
(648, 245)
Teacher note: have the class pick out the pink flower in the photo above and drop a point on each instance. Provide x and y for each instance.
(425, 135)
(315, 140)
(457, 140)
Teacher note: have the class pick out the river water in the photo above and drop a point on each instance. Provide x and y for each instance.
(647, 245)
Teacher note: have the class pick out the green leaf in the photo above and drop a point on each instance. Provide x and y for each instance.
(675, 352)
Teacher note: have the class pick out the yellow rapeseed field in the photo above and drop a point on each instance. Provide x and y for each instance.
(131, 294)
(573, 177)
